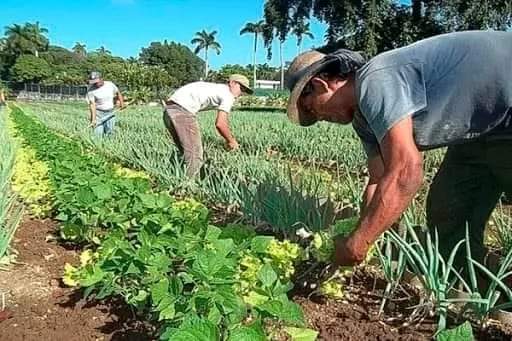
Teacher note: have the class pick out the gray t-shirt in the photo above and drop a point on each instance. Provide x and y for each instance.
(456, 86)
(103, 96)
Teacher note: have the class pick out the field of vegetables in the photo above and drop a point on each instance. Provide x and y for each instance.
(240, 254)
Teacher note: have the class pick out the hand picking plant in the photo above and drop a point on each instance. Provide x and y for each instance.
(325, 278)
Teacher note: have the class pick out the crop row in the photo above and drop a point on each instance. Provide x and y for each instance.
(279, 174)
(162, 255)
(265, 187)
(10, 212)
(141, 236)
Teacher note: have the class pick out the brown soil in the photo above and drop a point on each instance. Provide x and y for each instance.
(38, 307)
(344, 321)
(356, 317)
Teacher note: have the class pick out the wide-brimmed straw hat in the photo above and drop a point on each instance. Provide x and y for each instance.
(306, 66)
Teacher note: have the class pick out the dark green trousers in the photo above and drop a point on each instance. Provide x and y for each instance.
(465, 190)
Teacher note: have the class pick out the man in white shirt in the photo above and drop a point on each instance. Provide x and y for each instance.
(180, 116)
(101, 98)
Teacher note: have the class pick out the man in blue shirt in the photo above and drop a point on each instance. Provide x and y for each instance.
(451, 90)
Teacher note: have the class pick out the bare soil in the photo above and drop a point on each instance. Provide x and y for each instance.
(357, 318)
(38, 307)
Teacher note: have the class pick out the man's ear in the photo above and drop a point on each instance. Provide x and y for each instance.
(320, 83)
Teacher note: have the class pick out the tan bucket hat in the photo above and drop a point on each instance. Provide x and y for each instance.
(243, 81)
(307, 65)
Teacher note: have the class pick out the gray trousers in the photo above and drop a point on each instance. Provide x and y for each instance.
(184, 130)
(465, 191)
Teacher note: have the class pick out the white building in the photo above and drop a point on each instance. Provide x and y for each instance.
(265, 84)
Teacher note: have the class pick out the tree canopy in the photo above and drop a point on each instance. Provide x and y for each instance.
(378, 25)
(178, 60)
(29, 68)
(27, 56)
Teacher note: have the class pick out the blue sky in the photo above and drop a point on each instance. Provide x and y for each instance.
(124, 26)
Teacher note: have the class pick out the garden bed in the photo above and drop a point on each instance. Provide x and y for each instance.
(146, 251)
(39, 307)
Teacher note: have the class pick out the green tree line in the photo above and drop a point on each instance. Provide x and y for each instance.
(26, 55)
(374, 26)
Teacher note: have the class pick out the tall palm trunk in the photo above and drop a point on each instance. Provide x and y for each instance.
(205, 63)
(254, 60)
(282, 63)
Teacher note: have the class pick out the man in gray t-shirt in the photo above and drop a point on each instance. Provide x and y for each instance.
(101, 97)
(451, 90)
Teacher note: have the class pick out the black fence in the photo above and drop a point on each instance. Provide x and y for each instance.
(51, 92)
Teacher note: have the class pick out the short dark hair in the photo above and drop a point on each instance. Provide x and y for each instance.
(333, 70)
(344, 63)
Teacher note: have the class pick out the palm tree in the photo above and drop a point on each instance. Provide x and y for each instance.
(80, 49)
(302, 30)
(15, 41)
(254, 28)
(27, 38)
(281, 61)
(103, 51)
(36, 34)
(206, 41)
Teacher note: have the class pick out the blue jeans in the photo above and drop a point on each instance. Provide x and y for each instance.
(105, 123)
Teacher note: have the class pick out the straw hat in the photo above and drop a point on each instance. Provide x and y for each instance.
(306, 66)
(243, 81)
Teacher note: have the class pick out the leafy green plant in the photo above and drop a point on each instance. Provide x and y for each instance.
(392, 266)
(464, 332)
(287, 210)
(31, 182)
(503, 232)
(161, 255)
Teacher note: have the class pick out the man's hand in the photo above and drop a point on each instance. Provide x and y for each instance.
(222, 125)
(92, 124)
(232, 145)
(348, 252)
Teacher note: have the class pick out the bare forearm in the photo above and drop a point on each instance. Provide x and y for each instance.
(92, 113)
(225, 132)
(387, 200)
(121, 99)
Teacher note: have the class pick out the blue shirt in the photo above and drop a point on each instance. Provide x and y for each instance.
(457, 87)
